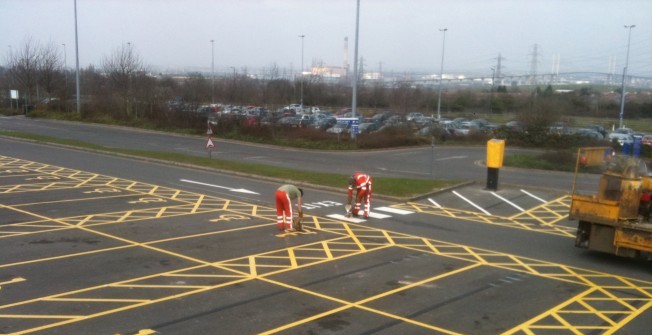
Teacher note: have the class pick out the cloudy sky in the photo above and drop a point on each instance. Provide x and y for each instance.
(401, 36)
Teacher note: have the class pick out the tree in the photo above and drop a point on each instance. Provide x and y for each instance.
(50, 69)
(23, 69)
(120, 67)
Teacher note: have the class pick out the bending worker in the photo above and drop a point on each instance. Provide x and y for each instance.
(284, 214)
(362, 184)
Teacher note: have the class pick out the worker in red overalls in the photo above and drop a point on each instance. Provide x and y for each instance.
(284, 214)
(362, 184)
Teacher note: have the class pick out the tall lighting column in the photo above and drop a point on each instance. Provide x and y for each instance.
(622, 87)
(65, 68)
(302, 37)
(77, 62)
(441, 72)
(354, 93)
(213, 71)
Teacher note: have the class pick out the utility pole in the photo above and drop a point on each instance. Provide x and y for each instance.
(622, 88)
(441, 73)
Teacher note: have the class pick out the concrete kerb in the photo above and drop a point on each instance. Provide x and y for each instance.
(235, 173)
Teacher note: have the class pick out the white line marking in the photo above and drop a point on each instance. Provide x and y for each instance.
(344, 218)
(507, 201)
(533, 196)
(451, 157)
(394, 210)
(434, 203)
(378, 215)
(471, 203)
(240, 190)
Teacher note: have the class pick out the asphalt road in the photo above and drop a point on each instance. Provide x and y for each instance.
(97, 244)
(438, 161)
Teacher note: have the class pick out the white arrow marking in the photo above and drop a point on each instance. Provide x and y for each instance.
(240, 190)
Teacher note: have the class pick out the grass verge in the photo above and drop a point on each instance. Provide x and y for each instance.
(394, 187)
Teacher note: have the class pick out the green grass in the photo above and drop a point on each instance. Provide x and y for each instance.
(394, 187)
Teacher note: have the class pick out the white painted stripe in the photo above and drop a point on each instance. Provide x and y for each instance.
(434, 203)
(533, 196)
(471, 203)
(394, 210)
(344, 218)
(378, 215)
(507, 201)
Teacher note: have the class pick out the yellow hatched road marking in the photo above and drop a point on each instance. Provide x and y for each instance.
(359, 239)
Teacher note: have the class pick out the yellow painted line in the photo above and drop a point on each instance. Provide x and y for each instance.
(252, 266)
(95, 300)
(162, 286)
(327, 250)
(197, 204)
(292, 257)
(629, 318)
(190, 275)
(354, 237)
(359, 304)
(37, 316)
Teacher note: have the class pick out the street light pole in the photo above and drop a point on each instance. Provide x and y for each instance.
(77, 62)
(354, 90)
(302, 37)
(441, 72)
(622, 87)
(65, 71)
(213, 71)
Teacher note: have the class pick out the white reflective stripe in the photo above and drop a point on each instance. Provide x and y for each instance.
(394, 210)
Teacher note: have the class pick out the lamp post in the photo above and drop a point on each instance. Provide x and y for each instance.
(302, 37)
(213, 71)
(441, 72)
(77, 62)
(65, 70)
(354, 89)
(622, 87)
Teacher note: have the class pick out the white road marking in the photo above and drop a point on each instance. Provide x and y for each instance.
(471, 203)
(240, 190)
(451, 157)
(378, 215)
(507, 201)
(434, 203)
(533, 196)
(394, 210)
(344, 218)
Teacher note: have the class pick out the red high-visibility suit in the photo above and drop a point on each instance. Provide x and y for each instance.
(362, 184)
(284, 196)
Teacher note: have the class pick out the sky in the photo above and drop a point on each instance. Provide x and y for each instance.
(394, 35)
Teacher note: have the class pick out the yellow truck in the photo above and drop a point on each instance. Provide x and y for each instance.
(613, 219)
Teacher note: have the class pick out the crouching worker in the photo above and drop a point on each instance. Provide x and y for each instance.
(361, 182)
(284, 214)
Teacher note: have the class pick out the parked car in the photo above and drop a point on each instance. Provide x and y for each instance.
(413, 116)
(324, 123)
(621, 138)
(589, 133)
(368, 127)
(338, 128)
(289, 121)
